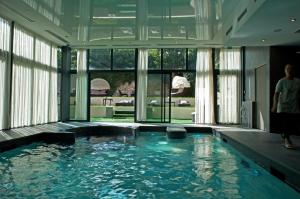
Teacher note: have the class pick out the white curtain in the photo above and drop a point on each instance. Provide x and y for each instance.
(53, 99)
(141, 97)
(21, 102)
(230, 85)
(21, 93)
(81, 86)
(204, 93)
(41, 73)
(4, 73)
(34, 81)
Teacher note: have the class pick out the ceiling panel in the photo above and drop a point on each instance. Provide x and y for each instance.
(84, 23)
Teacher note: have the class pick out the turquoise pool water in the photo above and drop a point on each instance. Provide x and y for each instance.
(150, 166)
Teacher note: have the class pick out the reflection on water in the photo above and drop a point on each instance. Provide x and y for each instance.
(209, 166)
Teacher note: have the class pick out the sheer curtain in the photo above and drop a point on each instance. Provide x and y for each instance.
(141, 98)
(230, 85)
(34, 81)
(21, 102)
(41, 73)
(53, 99)
(4, 73)
(81, 86)
(204, 93)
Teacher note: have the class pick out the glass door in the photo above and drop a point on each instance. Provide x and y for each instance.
(158, 97)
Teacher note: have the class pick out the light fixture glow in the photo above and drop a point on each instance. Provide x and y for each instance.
(293, 19)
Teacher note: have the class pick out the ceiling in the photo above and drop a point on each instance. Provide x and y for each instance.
(158, 23)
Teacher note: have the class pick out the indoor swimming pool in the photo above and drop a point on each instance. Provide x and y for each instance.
(147, 166)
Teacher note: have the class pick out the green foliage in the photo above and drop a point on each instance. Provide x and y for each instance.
(124, 59)
(100, 59)
(154, 59)
(174, 58)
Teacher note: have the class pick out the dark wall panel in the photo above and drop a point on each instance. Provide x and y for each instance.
(279, 57)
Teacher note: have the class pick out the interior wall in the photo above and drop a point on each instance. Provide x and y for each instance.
(279, 57)
(256, 57)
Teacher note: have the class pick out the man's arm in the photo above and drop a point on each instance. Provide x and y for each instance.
(275, 102)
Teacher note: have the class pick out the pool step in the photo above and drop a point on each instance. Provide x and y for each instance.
(123, 113)
(176, 132)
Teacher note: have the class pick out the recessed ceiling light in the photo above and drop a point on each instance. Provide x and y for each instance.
(263, 40)
(292, 19)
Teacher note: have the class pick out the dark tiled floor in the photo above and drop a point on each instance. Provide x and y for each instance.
(28, 131)
(267, 150)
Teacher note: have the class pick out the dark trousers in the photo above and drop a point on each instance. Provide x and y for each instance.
(288, 123)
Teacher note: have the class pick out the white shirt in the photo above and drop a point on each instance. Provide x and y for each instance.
(289, 93)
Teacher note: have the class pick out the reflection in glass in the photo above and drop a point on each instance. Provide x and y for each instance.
(122, 20)
(50, 9)
(127, 33)
(154, 32)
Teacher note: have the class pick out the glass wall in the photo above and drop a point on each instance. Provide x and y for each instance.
(158, 98)
(115, 69)
(112, 84)
(112, 95)
(183, 97)
(179, 64)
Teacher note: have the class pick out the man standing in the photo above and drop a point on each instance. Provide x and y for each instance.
(286, 102)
